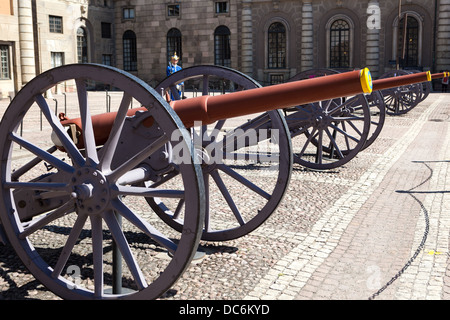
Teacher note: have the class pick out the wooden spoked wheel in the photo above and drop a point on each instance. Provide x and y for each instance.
(400, 100)
(327, 134)
(62, 208)
(246, 161)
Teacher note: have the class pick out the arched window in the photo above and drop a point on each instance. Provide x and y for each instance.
(82, 48)
(129, 51)
(276, 46)
(222, 49)
(408, 45)
(340, 44)
(174, 44)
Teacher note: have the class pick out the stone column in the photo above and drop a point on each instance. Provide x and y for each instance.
(443, 36)
(26, 37)
(247, 38)
(373, 38)
(307, 54)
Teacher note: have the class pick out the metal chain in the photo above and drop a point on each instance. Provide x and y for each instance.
(422, 243)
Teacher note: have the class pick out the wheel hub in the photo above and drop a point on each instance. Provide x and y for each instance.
(90, 190)
(321, 120)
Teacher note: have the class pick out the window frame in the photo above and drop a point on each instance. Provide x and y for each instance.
(127, 17)
(173, 13)
(54, 55)
(218, 10)
(174, 43)
(222, 46)
(53, 26)
(274, 62)
(5, 62)
(341, 60)
(395, 38)
(129, 57)
(351, 38)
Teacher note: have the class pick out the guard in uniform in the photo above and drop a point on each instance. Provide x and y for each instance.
(172, 68)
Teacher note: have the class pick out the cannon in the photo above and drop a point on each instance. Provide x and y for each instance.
(404, 97)
(71, 194)
(354, 124)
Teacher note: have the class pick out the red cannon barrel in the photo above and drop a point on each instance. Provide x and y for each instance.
(208, 109)
(393, 82)
(440, 75)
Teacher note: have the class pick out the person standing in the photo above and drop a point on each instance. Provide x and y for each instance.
(171, 69)
(445, 84)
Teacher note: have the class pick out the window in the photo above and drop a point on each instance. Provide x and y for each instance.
(128, 13)
(222, 50)
(5, 65)
(340, 44)
(129, 51)
(55, 23)
(408, 48)
(57, 59)
(82, 48)
(106, 30)
(222, 7)
(107, 59)
(173, 10)
(276, 79)
(174, 43)
(277, 46)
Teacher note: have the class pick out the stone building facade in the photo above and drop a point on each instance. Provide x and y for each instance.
(269, 40)
(38, 35)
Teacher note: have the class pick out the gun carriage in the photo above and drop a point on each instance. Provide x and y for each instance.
(105, 171)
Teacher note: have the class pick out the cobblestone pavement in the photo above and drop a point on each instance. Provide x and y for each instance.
(376, 228)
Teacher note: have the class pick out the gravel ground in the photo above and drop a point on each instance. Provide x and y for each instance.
(230, 270)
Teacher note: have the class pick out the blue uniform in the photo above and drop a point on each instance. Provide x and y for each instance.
(171, 69)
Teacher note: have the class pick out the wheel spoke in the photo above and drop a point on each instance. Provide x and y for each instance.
(42, 154)
(223, 189)
(144, 226)
(308, 141)
(319, 152)
(65, 140)
(46, 219)
(177, 212)
(149, 192)
(345, 133)
(86, 122)
(124, 248)
(55, 186)
(97, 254)
(244, 181)
(333, 141)
(110, 146)
(205, 89)
(29, 165)
(70, 243)
(165, 179)
(138, 158)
